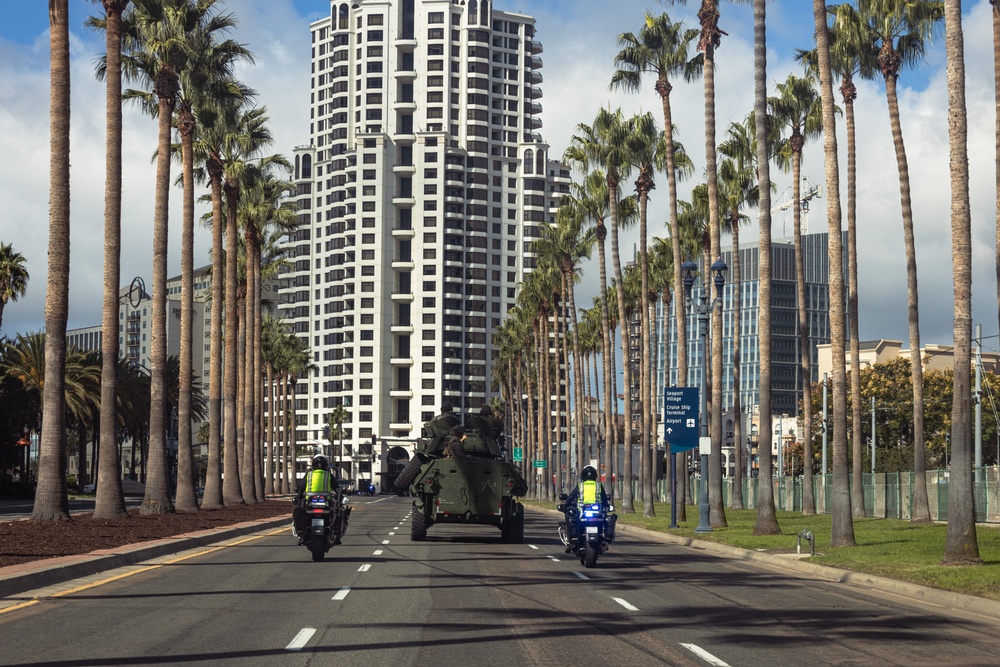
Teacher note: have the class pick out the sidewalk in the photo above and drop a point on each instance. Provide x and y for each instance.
(37, 574)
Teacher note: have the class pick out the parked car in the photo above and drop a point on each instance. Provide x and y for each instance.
(90, 488)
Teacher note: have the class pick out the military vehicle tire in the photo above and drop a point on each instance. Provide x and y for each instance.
(418, 527)
(408, 474)
(513, 530)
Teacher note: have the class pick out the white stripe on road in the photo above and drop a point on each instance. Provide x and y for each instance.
(626, 604)
(391, 533)
(300, 640)
(342, 593)
(385, 541)
(553, 559)
(365, 567)
(581, 575)
(377, 552)
(705, 655)
(533, 546)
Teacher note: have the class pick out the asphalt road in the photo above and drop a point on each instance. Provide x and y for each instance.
(464, 598)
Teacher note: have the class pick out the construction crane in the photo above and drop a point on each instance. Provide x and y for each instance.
(810, 191)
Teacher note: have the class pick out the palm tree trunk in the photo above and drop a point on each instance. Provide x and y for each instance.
(842, 529)
(186, 499)
(625, 474)
(857, 490)
(110, 502)
(269, 485)
(717, 509)
(157, 498)
(579, 371)
(919, 452)
(232, 492)
(607, 351)
(243, 410)
(805, 354)
(736, 497)
(258, 382)
(648, 443)
(961, 546)
(767, 521)
(212, 498)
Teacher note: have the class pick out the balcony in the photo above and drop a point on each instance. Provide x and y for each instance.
(404, 200)
(536, 77)
(405, 74)
(401, 424)
(398, 328)
(401, 392)
(404, 168)
(536, 62)
(533, 92)
(403, 264)
(400, 233)
(535, 107)
(536, 47)
(405, 297)
(401, 361)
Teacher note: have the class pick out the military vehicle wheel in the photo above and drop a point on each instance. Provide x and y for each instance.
(590, 556)
(513, 530)
(418, 528)
(317, 550)
(408, 474)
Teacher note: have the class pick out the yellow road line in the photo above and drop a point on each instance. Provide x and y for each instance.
(147, 568)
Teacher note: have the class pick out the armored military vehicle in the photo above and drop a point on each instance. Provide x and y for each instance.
(459, 475)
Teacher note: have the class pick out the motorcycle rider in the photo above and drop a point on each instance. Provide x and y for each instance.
(588, 492)
(318, 479)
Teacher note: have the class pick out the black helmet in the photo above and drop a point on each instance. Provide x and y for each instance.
(486, 411)
(319, 462)
(589, 474)
(446, 406)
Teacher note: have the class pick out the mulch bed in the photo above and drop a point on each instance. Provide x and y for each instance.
(25, 541)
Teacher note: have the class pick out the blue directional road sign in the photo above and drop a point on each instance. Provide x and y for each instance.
(680, 417)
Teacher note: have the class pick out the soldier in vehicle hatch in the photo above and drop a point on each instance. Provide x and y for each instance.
(440, 428)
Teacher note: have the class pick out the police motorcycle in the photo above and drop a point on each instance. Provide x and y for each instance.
(321, 513)
(326, 522)
(588, 529)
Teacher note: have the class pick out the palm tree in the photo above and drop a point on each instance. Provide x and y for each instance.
(206, 79)
(901, 30)
(767, 522)
(842, 528)
(13, 276)
(737, 189)
(603, 145)
(661, 49)
(110, 502)
(155, 49)
(961, 546)
(647, 153)
(852, 55)
(798, 108)
(51, 499)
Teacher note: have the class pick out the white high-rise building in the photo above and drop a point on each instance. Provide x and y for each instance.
(422, 187)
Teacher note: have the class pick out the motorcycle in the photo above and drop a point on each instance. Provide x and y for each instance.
(326, 522)
(587, 531)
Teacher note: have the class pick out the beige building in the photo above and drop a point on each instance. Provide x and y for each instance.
(936, 357)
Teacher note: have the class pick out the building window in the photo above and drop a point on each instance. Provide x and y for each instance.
(365, 351)
(435, 17)
(375, 19)
(367, 238)
(367, 286)
(374, 35)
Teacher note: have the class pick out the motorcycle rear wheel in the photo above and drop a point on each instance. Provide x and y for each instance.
(318, 552)
(590, 555)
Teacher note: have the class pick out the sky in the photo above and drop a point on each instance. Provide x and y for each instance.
(579, 39)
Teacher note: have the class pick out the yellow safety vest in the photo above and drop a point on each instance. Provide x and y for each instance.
(318, 481)
(588, 492)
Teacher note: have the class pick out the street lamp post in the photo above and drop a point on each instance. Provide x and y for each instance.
(719, 269)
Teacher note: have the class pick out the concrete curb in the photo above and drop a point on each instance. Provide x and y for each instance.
(16, 579)
(916, 592)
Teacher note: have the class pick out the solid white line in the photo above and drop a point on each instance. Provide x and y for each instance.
(377, 552)
(385, 541)
(626, 604)
(705, 655)
(365, 567)
(300, 640)
(341, 594)
(533, 546)
(581, 575)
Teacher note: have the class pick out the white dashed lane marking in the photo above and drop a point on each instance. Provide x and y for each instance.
(341, 594)
(581, 575)
(553, 559)
(533, 547)
(385, 541)
(377, 552)
(705, 655)
(300, 640)
(626, 604)
(365, 567)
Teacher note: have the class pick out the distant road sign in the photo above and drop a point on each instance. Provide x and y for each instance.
(539, 463)
(519, 454)
(680, 417)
